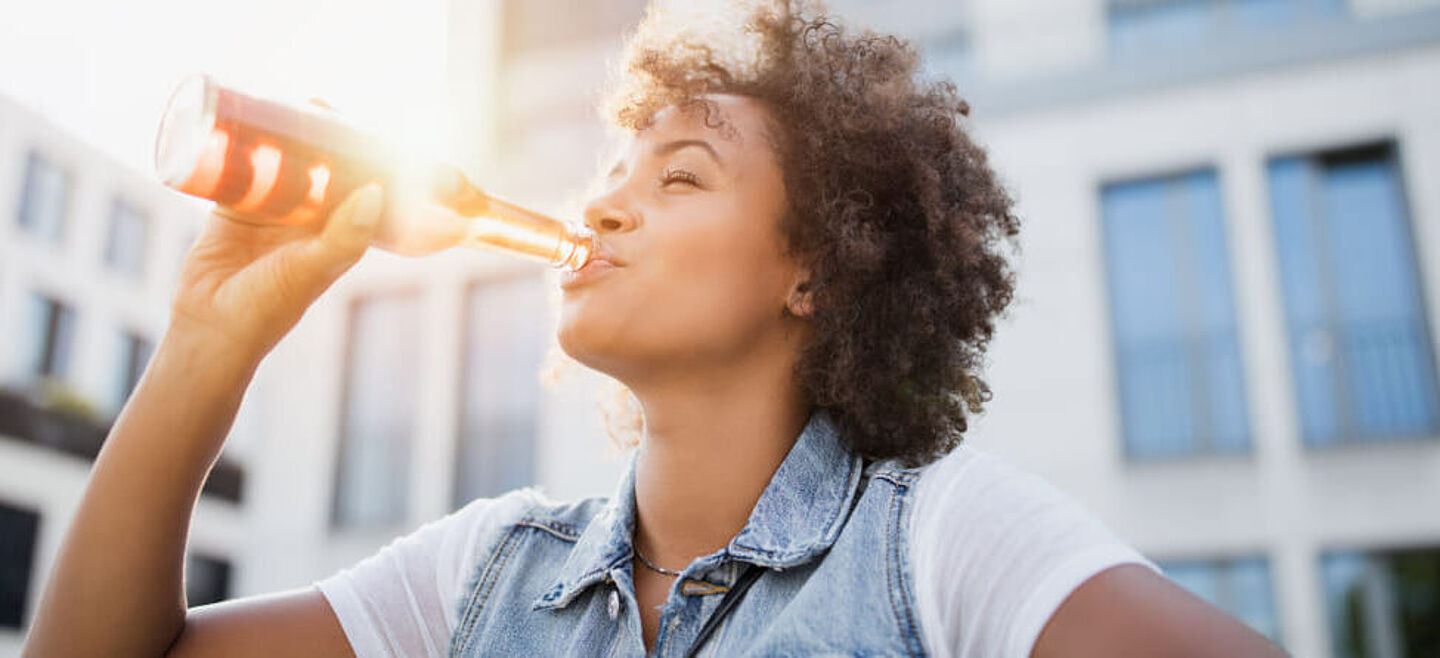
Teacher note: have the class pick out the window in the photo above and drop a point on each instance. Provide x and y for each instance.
(373, 470)
(1181, 383)
(1239, 586)
(1383, 604)
(1144, 27)
(135, 351)
(125, 250)
(1360, 352)
(503, 351)
(207, 580)
(52, 330)
(18, 531)
(44, 199)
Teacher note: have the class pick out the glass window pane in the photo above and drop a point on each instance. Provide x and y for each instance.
(44, 199)
(207, 580)
(1154, 377)
(504, 343)
(1224, 417)
(19, 529)
(373, 474)
(125, 250)
(1178, 359)
(1359, 341)
(51, 330)
(1261, 15)
(1382, 330)
(1312, 355)
(1167, 25)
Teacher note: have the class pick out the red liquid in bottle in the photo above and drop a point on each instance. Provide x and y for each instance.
(271, 163)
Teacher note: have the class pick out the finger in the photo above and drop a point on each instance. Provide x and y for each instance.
(348, 230)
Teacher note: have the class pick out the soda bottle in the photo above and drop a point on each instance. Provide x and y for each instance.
(268, 162)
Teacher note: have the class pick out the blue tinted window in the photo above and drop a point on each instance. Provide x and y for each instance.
(52, 337)
(129, 233)
(1138, 27)
(1240, 587)
(44, 200)
(1360, 351)
(1180, 375)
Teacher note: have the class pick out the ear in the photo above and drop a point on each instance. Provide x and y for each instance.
(799, 302)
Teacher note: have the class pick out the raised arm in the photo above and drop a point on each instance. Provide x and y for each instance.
(1129, 610)
(116, 588)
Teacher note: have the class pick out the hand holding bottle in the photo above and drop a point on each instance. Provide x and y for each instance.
(243, 286)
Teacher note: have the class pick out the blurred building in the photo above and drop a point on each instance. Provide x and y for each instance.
(88, 251)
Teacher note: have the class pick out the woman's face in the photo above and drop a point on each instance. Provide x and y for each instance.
(690, 219)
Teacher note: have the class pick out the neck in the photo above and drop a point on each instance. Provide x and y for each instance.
(711, 445)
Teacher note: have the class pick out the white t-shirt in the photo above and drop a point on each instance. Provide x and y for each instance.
(995, 550)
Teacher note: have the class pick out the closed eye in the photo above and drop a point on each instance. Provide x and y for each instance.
(676, 175)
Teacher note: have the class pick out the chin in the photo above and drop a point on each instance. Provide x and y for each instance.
(582, 340)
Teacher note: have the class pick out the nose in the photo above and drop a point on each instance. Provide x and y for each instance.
(608, 213)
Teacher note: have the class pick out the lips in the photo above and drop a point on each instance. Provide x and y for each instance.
(600, 264)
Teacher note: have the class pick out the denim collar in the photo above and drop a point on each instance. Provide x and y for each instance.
(798, 517)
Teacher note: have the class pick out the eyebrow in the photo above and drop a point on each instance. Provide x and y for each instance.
(672, 146)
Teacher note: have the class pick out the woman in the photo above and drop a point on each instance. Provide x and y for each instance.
(798, 274)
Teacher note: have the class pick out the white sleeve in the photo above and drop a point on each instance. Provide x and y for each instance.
(403, 600)
(995, 551)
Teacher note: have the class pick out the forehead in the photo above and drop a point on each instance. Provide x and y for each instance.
(727, 121)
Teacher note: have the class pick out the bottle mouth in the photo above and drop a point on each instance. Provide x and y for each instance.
(577, 249)
(184, 129)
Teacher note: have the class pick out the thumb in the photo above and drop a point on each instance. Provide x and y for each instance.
(349, 229)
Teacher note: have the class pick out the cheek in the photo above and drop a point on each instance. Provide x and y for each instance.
(708, 288)
(715, 280)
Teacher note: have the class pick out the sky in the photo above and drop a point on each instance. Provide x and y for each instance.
(102, 70)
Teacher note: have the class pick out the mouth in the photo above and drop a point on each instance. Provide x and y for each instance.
(599, 265)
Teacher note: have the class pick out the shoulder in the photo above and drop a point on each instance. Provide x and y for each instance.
(405, 598)
(976, 501)
(995, 549)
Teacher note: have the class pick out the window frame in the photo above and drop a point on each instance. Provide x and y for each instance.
(1206, 445)
(1315, 157)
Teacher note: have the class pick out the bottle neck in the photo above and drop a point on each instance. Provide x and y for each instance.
(499, 223)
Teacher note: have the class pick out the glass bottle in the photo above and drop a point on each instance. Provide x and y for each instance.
(267, 162)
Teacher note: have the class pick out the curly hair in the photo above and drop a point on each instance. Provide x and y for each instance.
(891, 207)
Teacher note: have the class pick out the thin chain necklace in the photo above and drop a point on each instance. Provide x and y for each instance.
(647, 563)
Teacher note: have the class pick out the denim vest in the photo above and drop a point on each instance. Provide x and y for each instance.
(829, 532)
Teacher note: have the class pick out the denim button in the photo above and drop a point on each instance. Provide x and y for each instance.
(614, 604)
